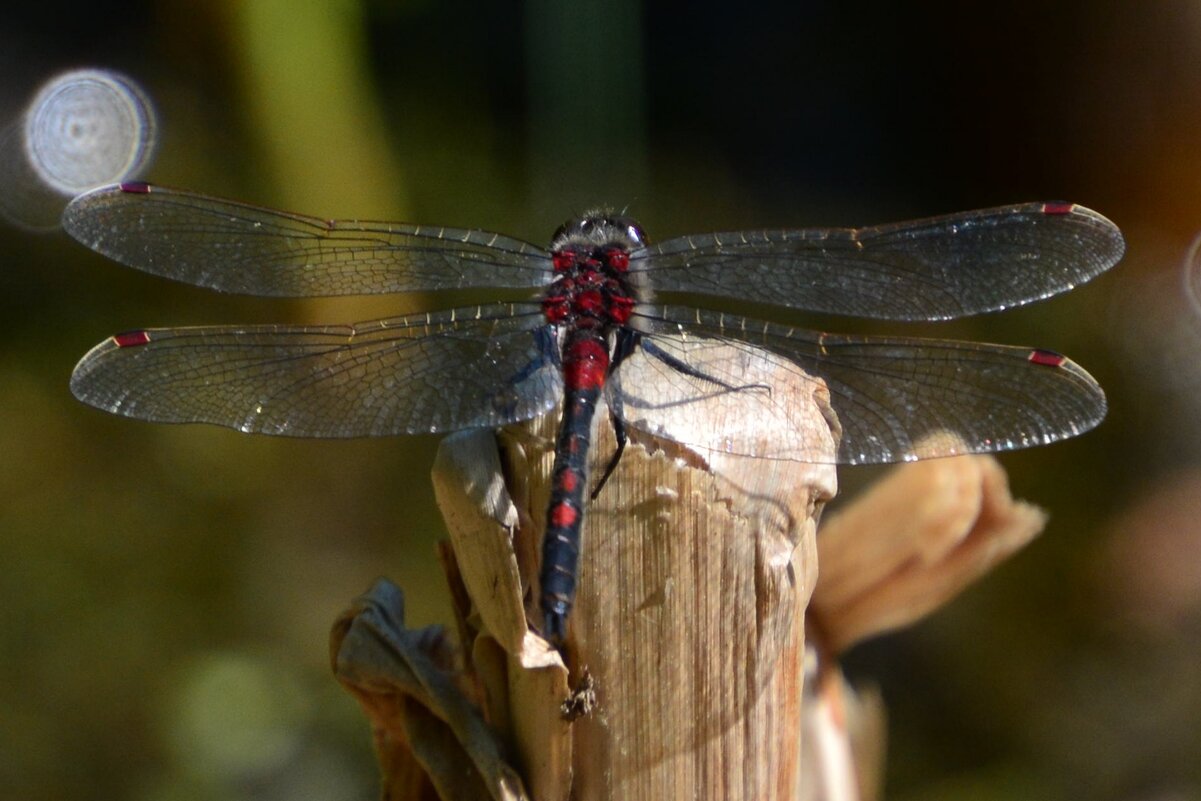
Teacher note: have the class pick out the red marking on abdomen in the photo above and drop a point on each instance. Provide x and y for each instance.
(1058, 208)
(1047, 358)
(562, 515)
(130, 339)
(585, 364)
(568, 481)
(586, 349)
(135, 187)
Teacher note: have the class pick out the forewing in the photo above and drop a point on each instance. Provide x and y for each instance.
(930, 269)
(236, 247)
(896, 399)
(451, 370)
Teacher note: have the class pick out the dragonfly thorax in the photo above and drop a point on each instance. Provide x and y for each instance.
(593, 286)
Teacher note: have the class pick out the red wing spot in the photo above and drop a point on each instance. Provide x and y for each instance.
(1047, 358)
(563, 516)
(1058, 208)
(135, 187)
(131, 339)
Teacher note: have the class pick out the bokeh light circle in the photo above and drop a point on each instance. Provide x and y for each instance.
(86, 128)
(1191, 274)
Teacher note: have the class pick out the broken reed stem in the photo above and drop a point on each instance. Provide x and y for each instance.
(689, 619)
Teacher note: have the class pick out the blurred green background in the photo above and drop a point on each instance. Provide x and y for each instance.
(166, 592)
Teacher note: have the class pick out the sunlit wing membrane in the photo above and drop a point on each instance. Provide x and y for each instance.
(931, 269)
(236, 247)
(896, 399)
(425, 373)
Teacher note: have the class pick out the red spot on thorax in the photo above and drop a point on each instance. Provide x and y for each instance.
(620, 309)
(1058, 208)
(618, 259)
(135, 187)
(589, 292)
(555, 308)
(1047, 358)
(130, 339)
(562, 515)
(590, 302)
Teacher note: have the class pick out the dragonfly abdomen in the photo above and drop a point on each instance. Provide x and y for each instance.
(585, 367)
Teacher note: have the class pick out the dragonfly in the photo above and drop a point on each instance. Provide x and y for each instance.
(587, 307)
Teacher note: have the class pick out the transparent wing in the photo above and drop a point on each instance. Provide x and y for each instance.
(424, 373)
(236, 247)
(896, 399)
(929, 269)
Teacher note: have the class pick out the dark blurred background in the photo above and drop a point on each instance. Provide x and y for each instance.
(166, 592)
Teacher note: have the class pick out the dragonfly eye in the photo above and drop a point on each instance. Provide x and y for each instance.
(630, 228)
(600, 229)
(574, 227)
(578, 228)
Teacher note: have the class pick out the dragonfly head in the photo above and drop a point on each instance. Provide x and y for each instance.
(600, 229)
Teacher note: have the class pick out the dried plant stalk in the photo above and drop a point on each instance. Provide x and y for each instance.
(689, 621)
(430, 739)
(913, 542)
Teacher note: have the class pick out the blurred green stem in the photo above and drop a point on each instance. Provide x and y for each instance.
(308, 93)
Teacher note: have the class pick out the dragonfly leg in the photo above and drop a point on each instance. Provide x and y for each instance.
(619, 431)
(548, 353)
(505, 399)
(651, 349)
(554, 626)
(627, 341)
